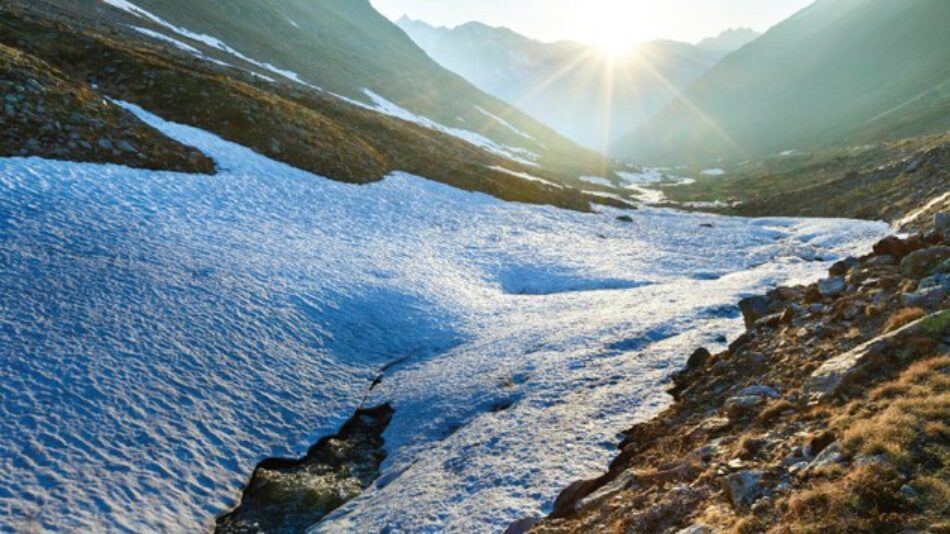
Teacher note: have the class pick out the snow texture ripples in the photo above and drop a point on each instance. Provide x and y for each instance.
(161, 333)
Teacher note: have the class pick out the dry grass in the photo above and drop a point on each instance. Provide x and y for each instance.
(906, 421)
(903, 317)
(773, 411)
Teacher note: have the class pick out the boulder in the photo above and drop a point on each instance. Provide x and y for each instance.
(740, 405)
(769, 321)
(842, 267)
(891, 246)
(625, 218)
(829, 456)
(839, 372)
(918, 264)
(743, 488)
(625, 481)
(832, 287)
(753, 309)
(522, 525)
(942, 268)
(882, 260)
(942, 224)
(698, 359)
(566, 502)
(931, 291)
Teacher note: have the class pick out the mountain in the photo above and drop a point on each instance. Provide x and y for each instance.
(729, 41)
(328, 86)
(582, 93)
(838, 71)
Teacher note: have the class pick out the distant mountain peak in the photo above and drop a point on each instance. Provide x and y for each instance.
(560, 83)
(729, 40)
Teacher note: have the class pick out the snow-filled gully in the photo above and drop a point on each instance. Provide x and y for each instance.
(162, 334)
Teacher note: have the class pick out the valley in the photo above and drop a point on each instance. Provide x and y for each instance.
(297, 266)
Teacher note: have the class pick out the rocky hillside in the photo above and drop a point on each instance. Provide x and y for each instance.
(903, 182)
(46, 114)
(829, 414)
(577, 89)
(343, 47)
(105, 52)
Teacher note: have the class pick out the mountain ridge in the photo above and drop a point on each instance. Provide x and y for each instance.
(827, 74)
(578, 90)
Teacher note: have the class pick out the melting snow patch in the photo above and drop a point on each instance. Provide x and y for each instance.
(646, 176)
(597, 180)
(525, 176)
(503, 122)
(389, 108)
(213, 42)
(713, 172)
(162, 37)
(163, 332)
(614, 196)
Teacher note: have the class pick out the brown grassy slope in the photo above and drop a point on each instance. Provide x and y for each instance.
(307, 129)
(45, 113)
(884, 181)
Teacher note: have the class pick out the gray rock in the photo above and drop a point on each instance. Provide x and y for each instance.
(835, 374)
(924, 298)
(831, 287)
(736, 406)
(830, 455)
(104, 144)
(753, 309)
(881, 261)
(125, 146)
(913, 167)
(522, 525)
(942, 224)
(696, 529)
(744, 488)
(624, 481)
(760, 390)
(917, 264)
(908, 491)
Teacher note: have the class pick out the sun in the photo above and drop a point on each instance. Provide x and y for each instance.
(612, 44)
(613, 35)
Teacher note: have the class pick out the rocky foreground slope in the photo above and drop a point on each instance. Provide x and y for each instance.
(831, 413)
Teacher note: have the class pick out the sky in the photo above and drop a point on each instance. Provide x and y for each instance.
(604, 22)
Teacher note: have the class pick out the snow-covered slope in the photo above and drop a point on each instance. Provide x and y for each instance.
(160, 333)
